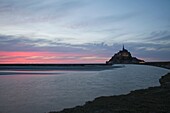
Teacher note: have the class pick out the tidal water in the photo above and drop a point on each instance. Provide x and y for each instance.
(44, 91)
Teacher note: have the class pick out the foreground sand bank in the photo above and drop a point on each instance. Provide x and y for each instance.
(152, 100)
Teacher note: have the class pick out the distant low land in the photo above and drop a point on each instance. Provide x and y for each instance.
(165, 64)
(152, 100)
(159, 64)
(64, 67)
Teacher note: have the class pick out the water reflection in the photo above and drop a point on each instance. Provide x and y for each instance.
(39, 92)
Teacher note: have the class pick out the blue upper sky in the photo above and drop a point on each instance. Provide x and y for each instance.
(95, 27)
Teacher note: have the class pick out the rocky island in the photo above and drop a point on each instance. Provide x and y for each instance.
(152, 100)
(124, 57)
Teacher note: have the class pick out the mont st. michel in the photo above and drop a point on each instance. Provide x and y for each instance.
(124, 57)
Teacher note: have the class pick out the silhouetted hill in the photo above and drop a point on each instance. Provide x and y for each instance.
(124, 57)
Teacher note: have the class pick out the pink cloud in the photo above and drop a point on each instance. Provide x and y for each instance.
(48, 57)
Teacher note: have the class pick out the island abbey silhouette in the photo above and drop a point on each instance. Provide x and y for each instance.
(124, 57)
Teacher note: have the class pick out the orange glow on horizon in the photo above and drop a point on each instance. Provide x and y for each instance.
(47, 57)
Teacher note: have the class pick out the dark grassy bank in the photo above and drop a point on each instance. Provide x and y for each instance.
(152, 100)
(159, 64)
(88, 64)
(44, 67)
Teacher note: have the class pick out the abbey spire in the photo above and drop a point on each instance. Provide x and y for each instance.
(123, 47)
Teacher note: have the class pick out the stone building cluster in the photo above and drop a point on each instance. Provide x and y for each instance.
(124, 57)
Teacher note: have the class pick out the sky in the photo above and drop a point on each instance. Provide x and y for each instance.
(83, 31)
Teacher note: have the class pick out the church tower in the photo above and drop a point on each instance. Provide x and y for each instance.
(123, 48)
